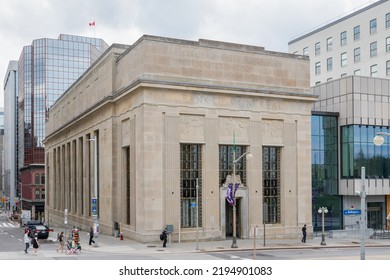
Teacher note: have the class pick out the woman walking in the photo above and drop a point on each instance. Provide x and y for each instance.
(91, 236)
(35, 244)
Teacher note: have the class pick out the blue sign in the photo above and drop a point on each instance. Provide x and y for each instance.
(193, 204)
(94, 206)
(352, 212)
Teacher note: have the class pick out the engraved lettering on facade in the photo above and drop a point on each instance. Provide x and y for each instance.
(242, 103)
(201, 99)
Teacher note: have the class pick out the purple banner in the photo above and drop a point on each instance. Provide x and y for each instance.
(231, 194)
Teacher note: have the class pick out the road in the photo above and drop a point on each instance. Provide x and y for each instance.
(12, 246)
(10, 235)
(376, 253)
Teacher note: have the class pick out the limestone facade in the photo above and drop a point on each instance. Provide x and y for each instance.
(143, 101)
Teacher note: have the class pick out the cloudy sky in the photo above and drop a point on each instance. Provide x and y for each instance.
(271, 24)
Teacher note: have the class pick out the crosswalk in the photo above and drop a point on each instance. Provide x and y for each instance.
(7, 225)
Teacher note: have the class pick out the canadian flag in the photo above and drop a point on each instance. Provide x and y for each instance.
(92, 23)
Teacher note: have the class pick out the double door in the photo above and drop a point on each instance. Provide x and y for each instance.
(375, 215)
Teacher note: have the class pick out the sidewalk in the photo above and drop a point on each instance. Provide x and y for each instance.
(111, 244)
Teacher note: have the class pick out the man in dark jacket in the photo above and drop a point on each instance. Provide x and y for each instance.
(91, 236)
(165, 237)
(304, 234)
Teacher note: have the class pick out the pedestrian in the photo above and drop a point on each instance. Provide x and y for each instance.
(61, 241)
(26, 241)
(35, 244)
(91, 236)
(165, 237)
(304, 233)
(76, 236)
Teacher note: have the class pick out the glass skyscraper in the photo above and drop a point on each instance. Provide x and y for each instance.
(46, 70)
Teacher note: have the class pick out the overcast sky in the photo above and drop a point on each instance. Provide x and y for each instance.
(270, 24)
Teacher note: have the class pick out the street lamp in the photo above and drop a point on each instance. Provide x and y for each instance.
(94, 201)
(323, 211)
(249, 156)
(362, 223)
(378, 139)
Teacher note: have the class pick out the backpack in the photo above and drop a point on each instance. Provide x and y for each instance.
(161, 237)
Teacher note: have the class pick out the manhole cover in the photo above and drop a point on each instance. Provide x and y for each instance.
(161, 250)
(220, 247)
(151, 246)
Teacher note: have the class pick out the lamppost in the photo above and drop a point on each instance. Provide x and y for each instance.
(249, 156)
(362, 223)
(94, 201)
(323, 211)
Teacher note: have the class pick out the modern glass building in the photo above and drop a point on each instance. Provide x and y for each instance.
(46, 69)
(325, 185)
(357, 44)
(346, 117)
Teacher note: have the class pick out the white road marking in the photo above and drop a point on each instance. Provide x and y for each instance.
(7, 225)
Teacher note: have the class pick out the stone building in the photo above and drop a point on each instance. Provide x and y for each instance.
(167, 114)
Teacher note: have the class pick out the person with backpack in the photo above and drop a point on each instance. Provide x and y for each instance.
(304, 233)
(164, 237)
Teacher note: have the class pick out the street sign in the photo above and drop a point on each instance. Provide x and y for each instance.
(193, 204)
(66, 216)
(349, 212)
(94, 206)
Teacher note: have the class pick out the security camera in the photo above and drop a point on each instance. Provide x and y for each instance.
(357, 193)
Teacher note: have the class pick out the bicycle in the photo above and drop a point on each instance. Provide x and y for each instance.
(72, 249)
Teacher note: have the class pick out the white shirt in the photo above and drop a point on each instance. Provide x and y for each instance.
(26, 238)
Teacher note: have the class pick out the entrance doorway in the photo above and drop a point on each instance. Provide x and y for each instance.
(229, 219)
(374, 215)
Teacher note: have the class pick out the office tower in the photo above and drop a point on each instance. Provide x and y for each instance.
(46, 69)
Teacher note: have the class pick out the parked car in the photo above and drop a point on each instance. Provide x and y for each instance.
(34, 222)
(41, 231)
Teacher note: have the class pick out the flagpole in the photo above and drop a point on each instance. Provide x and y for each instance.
(235, 187)
(234, 244)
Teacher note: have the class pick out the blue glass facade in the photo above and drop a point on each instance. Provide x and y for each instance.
(357, 150)
(324, 172)
(47, 68)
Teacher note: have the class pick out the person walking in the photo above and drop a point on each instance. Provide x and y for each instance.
(304, 233)
(91, 236)
(76, 236)
(165, 237)
(61, 241)
(35, 244)
(26, 241)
